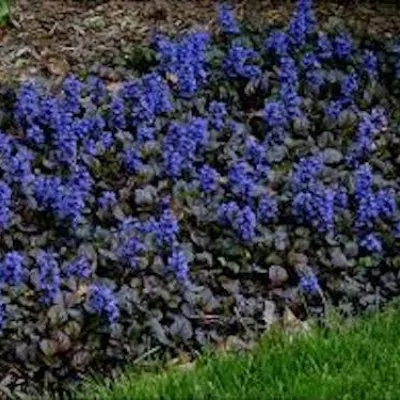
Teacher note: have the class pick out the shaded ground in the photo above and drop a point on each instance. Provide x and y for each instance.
(54, 37)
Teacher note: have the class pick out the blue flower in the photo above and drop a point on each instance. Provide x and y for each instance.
(79, 267)
(343, 45)
(239, 62)
(168, 228)
(149, 97)
(173, 163)
(302, 23)
(245, 224)
(35, 135)
(102, 301)
(310, 61)
(325, 48)
(274, 114)
(227, 212)
(367, 211)
(288, 86)
(267, 209)
(334, 108)
(132, 160)
(185, 61)
(97, 89)
(208, 178)
(309, 285)
(363, 182)
(298, 29)
(19, 168)
(386, 202)
(27, 107)
(48, 279)
(242, 221)
(107, 200)
(12, 268)
(316, 207)
(178, 263)
(349, 85)
(130, 251)
(5, 204)
(341, 197)
(241, 179)
(369, 63)
(372, 243)
(145, 133)
(72, 89)
(226, 19)
(278, 42)
(117, 118)
(217, 111)
(315, 79)
(306, 171)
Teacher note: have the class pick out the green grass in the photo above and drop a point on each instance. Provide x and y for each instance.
(4, 12)
(348, 361)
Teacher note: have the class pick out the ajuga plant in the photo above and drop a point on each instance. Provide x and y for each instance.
(243, 167)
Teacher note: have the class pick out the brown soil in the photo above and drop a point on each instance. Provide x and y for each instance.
(55, 37)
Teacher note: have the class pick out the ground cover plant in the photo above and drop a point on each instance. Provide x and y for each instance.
(234, 172)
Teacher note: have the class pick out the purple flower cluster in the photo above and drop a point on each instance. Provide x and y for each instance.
(5, 205)
(208, 178)
(184, 61)
(178, 263)
(12, 269)
(369, 64)
(302, 23)
(267, 209)
(102, 301)
(242, 221)
(48, 279)
(65, 199)
(309, 285)
(316, 207)
(313, 203)
(288, 87)
(240, 62)
(363, 145)
(182, 145)
(147, 98)
(130, 251)
(325, 47)
(218, 113)
(80, 267)
(349, 86)
(371, 206)
(313, 71)
(343, 45)
(306, 171)
(167, 229)
(242, 181)
(226, 20)
(278, 43)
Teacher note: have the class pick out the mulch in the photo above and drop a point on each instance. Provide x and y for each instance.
(52, 38)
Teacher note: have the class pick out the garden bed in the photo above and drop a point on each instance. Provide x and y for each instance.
(222, 180)
(84, 35)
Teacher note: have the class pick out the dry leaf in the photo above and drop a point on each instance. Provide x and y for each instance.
(269, 314)
(291, 324)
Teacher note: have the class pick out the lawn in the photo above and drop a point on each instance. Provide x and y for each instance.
(358, 360)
